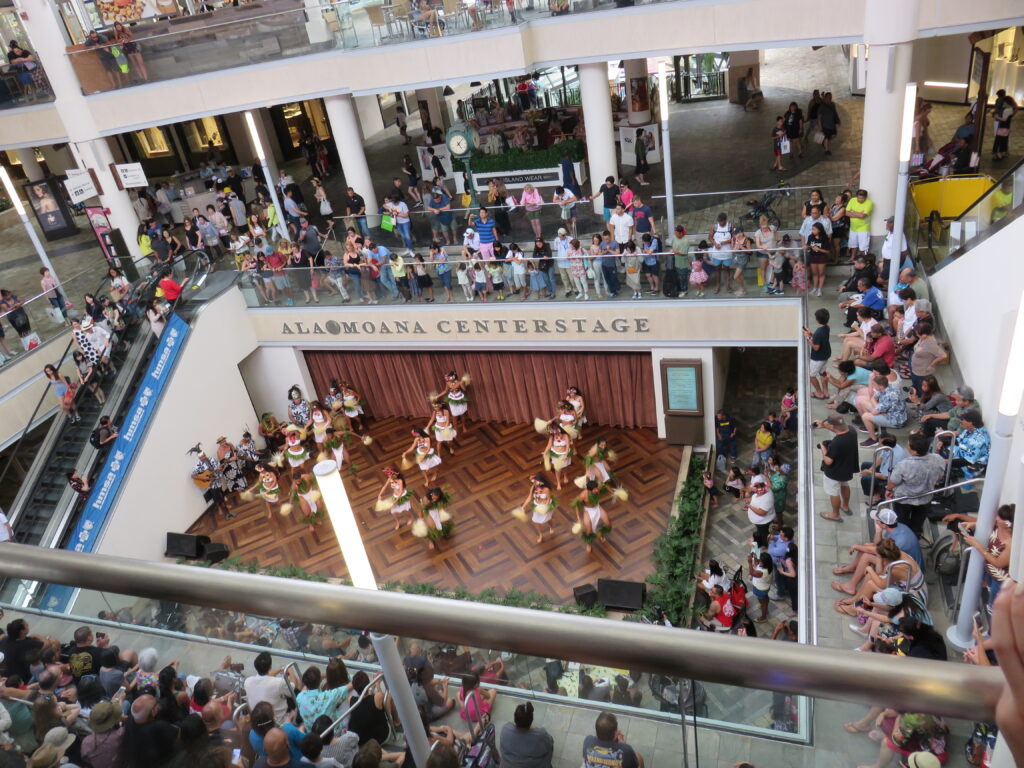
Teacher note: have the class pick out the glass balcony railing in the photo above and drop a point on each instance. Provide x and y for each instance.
(239, 35)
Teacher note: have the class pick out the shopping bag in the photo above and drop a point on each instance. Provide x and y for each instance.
(784, 146)
(55, 315)
(31, 341)
(916, 159)
(818, 137)
(387, 223)
(325, 207)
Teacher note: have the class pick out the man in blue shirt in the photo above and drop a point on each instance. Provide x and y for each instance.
(382, 256)
(485, 228)
(886, 527)
(610, 263)
(440, 205)
(643, 215)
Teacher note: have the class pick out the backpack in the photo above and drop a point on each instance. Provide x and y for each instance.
(94, 439)
(738, 591)
(670, 284)
(484, 752)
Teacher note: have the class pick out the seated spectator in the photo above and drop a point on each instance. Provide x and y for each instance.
(267, 685)
(172, 698)
(203, 693)
(147, 675)
(313, 702)
(881, 468)
(996, 550)
(16, 644)
(607, 747)
(870, 296)
(111, 676)
(721, 611)
(712, 576)
(861, 269)
(920, 640)
(368, 719)
(897, 569)
(425, 693)
(909, 733)
(878, 618)
(48, 712)
(927, 353)
(912, 480)
(279, 752)
(887, 526)
(363, 651)
(929, 401)
(262, 722)
(312, 747)
(884, 409)
(855, 341)
(194, 743)
(220, 731)
(443, 757)
(370, 755)
(100, 748)
(787, 631)
(949, 418)
(474, 702)
(850, 382)
(342, 747)
(147, 741)
(971, 446)
(878, 345)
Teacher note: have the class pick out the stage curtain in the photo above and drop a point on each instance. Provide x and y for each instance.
(510, 387)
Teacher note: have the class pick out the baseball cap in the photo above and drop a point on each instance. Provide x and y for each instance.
(889, 596)
(884, 516)
(470, 231)
(963, 392)
(890, 219)
(835, 420)
(563, 231)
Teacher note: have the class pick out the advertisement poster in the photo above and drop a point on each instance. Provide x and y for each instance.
(127, 11)
(442, 153)
(640, 95)
(100, 226)
(50, 208)
(651, 137)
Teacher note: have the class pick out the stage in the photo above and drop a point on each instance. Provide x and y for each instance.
(487, 478)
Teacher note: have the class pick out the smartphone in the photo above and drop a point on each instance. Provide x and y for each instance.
(235, 754)
(120, 692)
(100, 635)
(977, 620)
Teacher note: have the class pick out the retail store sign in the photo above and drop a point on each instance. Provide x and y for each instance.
(119, 460)
(79, 185)
(538, 177)
(131, 175)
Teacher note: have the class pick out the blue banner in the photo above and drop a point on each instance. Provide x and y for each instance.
(123, 450)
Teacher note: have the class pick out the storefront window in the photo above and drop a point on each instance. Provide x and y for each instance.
(153, 142)
(305, 117)
(202, 133)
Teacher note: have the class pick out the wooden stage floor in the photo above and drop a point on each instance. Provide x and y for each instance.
(487, 477)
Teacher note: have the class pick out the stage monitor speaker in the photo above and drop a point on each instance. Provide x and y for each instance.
(215, 552)
(586, 595)
(621, 595)
(185, 545)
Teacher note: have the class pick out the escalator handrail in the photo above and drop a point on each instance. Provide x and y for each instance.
(988, 191)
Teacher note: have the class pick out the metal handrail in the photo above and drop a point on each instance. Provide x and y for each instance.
(952, 690)
(287, 681)
(347, 712)
(875, 463)
(961, 483)
(949, 461)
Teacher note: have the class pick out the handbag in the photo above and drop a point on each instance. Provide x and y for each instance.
(325, 207)
(1002, 131)
(590, 273)
(387, 223)
(54, 314)
(466, 200)
(784, 146)
(818, 137)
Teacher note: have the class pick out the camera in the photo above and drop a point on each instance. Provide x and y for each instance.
(816, 424)
(906, 389)
(818, 445)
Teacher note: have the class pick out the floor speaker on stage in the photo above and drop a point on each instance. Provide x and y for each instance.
(621, 595)
(214, 551)
(586, 595)
(185, 545)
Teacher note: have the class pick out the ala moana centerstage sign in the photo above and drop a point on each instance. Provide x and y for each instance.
(642, 324)
(477, 326)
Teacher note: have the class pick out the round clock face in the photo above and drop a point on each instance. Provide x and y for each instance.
(458, 144)
(476, 136)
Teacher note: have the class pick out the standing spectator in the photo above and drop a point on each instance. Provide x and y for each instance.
(607, 747)
(610, 251)
(887, 252)
(522, 745)
(680, 247)
(778, 135)
(640, 156)
(609, 192)
(486, 228)
(840, 461)
(1003, 111)
(761, 509)
(561, 246)
(828, 121)
(399, 210)
(566, 201)
(915, 476)
(725, 434)
(821, 351)
(621, 224)
(542, 260)
(859, 212)
(6, 531)
(355, 212)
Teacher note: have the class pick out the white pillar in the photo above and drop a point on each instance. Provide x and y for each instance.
(435, 106)
(238, 135)
(268, 138)
(341, 114)
(597, 119)
(29, 166)
(635, 71)
(58, 160)
(889, 29)
(96, 155)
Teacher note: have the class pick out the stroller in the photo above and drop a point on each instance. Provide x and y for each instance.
(669, 693)
(763, 207)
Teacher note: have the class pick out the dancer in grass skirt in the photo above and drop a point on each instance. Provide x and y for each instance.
(540, 503)
(441, 420)
(395, 497)
(295, 451)
(320, 421)
(334, 446)
(307, 498)
(267, 487)
(424, 454)
(455, 395)
(558, 453)
(566, 418)
(575, 397)
(352, 402)
(594, 525)
(598, 460)
(436, 523)
(334, 395)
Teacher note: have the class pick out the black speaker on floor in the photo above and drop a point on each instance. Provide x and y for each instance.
(586, 595)
(215, 552)
(185, 545)
(621, 595)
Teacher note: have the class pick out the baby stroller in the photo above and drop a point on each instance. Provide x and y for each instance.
(669, 692)
(763, 207)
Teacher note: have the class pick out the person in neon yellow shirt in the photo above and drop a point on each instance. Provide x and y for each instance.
(1002, 201)
(859, 211)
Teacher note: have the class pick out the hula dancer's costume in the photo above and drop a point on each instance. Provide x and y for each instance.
(304, 489)
(439, 522)
(577, 405)
(320, 425)
(444, 432)
(596, 461)
(353, 406)
(294, 450)
(426, 456)
(544, 505)
(402, 498)
(592, 509)
(269, 493)
(336, 446)
(457, 401)
(568, 420)
(561, 452)
(331, 398)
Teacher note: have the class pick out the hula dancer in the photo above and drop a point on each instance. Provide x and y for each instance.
(295, 451)
(334, 443)
(352, 402)
(541, 503)
(268, 487)
(298, 408)
(567, 419)
(455, 395)
(442, 422)
(436, 523)
(597, 461)
(425, 455)
(207, 475)
(399, 498)
(575, 397)
(558, 453)
(595, 524)
(307, 497)
(320, 421)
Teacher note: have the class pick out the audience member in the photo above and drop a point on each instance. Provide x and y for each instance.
(607, 747)
(522, 745)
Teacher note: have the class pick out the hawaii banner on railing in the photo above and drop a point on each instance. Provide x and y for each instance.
(115, 469)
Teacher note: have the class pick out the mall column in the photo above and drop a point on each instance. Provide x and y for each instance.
(889, 30)
(96, 154)
(29, 166)
(348, 138)
(638, 91)
(597, 118)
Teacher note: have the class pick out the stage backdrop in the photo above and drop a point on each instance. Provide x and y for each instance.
(510, 387)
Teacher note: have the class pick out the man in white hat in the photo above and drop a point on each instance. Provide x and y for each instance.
(561, 245)
(60, 738)
(47, 756)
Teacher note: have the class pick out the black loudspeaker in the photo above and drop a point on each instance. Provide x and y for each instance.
(621, 595)
(185, 545)
(586, 595)
(215, 552)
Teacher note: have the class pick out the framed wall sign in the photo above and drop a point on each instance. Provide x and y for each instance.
(682, 387)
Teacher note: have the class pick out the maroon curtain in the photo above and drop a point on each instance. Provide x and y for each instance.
(510, 387)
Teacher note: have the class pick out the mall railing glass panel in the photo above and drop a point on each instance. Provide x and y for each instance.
(210, 41)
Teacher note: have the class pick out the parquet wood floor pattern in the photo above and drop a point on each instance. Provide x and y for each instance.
(487, 478)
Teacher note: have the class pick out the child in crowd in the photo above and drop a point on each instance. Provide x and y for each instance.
(479, 280)
(799, 281)
(497, 275)
(709, 484)
(776, 273)
(735, 483)
(463, 276)
(698, 276)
